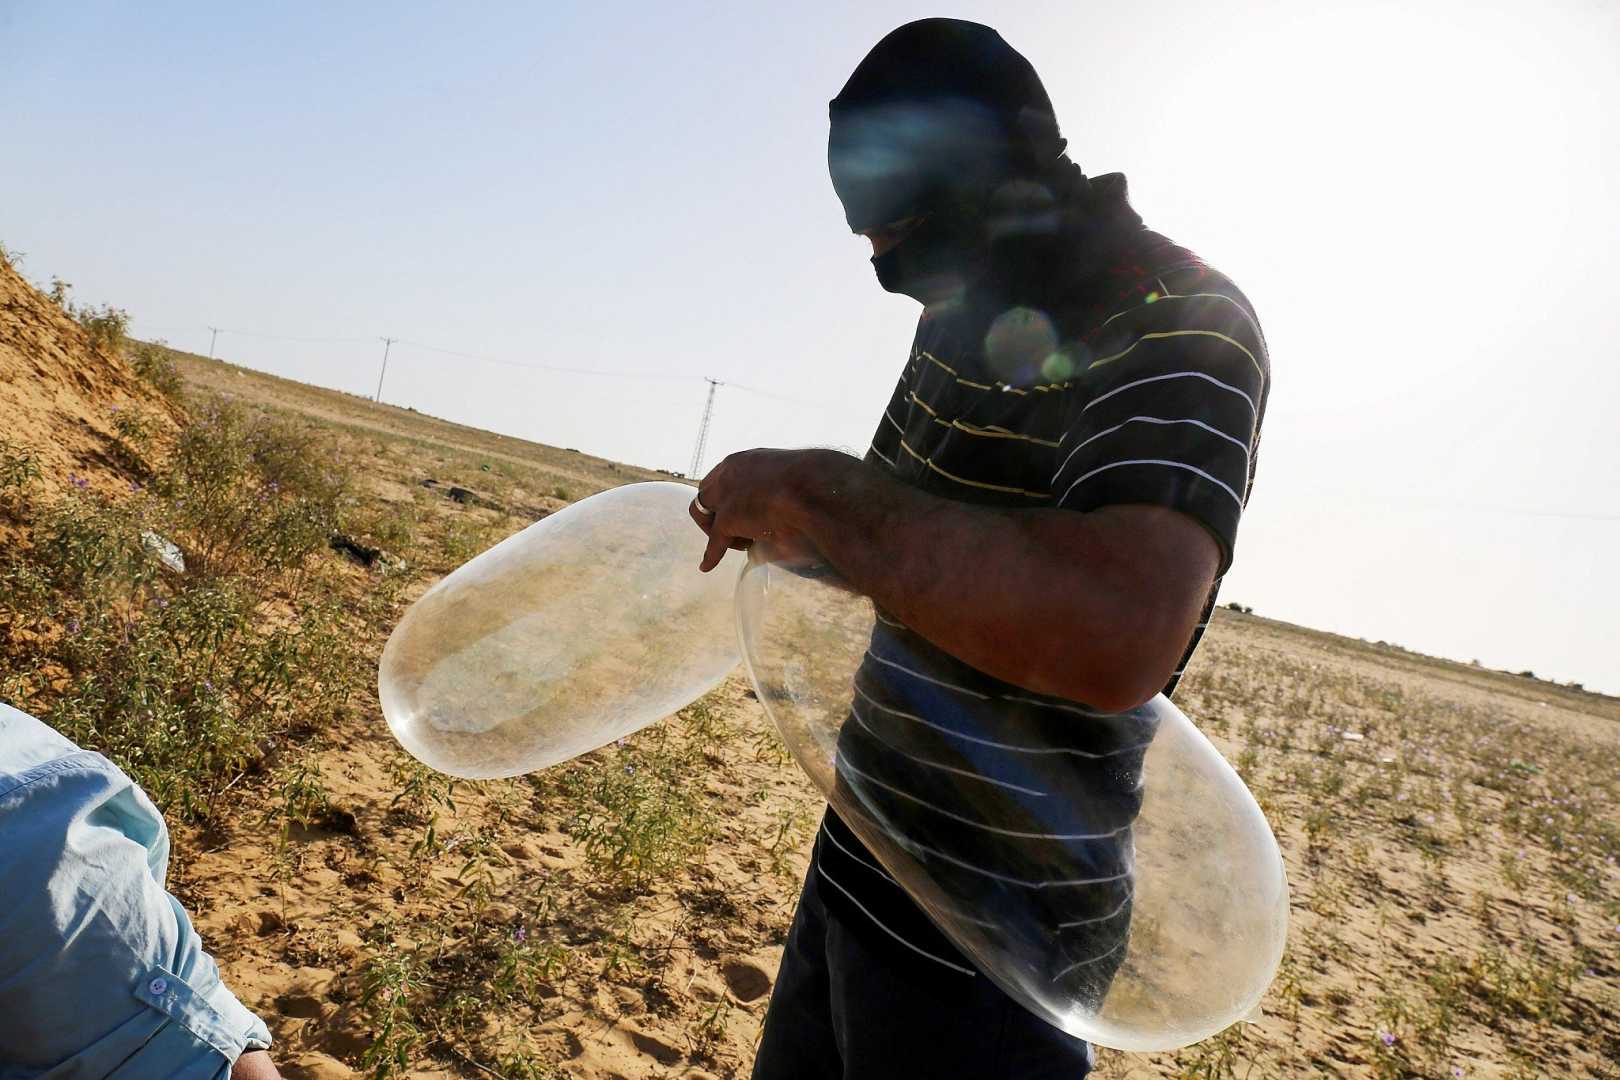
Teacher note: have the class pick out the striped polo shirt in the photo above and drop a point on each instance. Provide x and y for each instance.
(1125, 371)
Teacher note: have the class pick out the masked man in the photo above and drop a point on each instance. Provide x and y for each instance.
(1042, 522)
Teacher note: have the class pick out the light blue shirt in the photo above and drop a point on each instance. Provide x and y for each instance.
(101, 973)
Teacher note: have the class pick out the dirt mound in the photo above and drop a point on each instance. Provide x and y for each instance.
(61, 396)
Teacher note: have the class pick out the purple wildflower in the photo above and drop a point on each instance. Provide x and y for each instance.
(1387, 1038)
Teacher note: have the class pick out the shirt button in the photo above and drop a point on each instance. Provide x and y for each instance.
(158, 987)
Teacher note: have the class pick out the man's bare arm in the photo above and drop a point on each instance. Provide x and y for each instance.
(1096, 607)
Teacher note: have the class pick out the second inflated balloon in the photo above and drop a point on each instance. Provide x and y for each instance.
(1111, 872)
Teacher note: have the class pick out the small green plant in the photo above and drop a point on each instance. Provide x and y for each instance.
(388, 981)
(524, 966)
(792, 824)
(19, 469)
(107, 327)
(477, 878)
(710, 1028)
(154, 364)
(463, 538)
(391, 528)
(1216, 1058)
(255, 495)
(304, 799)
(422, 794)
(303, 802)
(706, 727)
(638, 813)
(132, 428)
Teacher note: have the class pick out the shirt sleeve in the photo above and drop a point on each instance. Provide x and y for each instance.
(1168, 407)
(100, 968)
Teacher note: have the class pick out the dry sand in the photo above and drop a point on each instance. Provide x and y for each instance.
(1452, 860)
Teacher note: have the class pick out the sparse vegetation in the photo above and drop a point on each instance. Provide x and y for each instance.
(106, 326)
(1449, 846)
(1450, 831)
(181, 676)
(154, 363)
(19, 469)
(637, 814)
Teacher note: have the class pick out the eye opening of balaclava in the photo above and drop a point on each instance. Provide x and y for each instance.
(938, 116)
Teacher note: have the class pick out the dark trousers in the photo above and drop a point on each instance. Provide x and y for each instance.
(842, 1010)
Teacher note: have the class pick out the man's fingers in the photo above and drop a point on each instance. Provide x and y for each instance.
(719, 544)
(704, 520)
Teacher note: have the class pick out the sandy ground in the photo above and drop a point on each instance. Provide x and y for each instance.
(1450, 833)
(1392, 887)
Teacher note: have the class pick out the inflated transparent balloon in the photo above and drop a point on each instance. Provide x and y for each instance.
(1110, 872)
(578, 630)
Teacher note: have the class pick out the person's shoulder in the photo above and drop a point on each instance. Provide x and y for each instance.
(51, 789)
(31, 749)
(1165, 292)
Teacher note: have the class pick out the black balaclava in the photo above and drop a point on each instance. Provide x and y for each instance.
(939, 117)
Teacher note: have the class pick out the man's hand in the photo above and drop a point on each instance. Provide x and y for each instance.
(747, 497)
(1096, 607)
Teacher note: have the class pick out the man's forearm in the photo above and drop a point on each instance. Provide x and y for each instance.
(1051, 600)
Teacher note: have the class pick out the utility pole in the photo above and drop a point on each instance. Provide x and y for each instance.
(703, 428)
(388, 343)
(213, 333)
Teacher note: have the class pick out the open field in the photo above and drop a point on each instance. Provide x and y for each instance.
(1452, 834)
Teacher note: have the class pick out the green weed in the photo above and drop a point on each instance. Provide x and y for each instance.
(153, 362)
(181, 677)
(388, 981)
(19, 469)
(637, 812)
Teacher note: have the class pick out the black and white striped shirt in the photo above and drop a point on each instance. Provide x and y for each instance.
(1136, 375)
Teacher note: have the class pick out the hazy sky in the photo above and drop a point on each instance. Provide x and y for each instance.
(1422, 199)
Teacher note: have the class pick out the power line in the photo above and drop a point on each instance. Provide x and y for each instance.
(559, 369)
(708, 409)
(664, 375)
(288, 337)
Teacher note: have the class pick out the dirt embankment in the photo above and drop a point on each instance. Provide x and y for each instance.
(62, 394)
